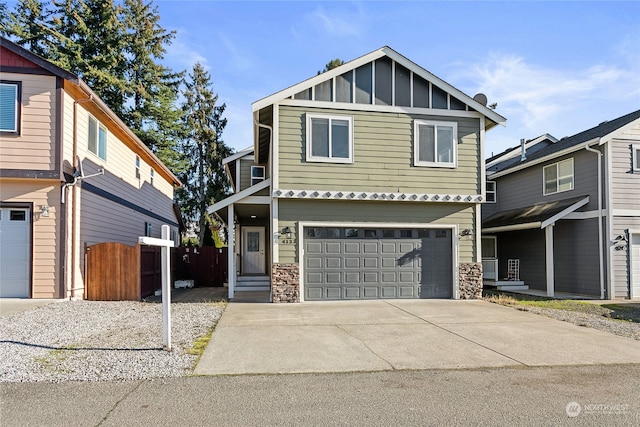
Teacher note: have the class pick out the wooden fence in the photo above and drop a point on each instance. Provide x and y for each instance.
(119, 272)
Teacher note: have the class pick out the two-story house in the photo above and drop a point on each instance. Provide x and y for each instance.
(363, 182)
(71, 175)
(568, 211)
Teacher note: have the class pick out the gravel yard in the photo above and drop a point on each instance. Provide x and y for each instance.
(100, 341)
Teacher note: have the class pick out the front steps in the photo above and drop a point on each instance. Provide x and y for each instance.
(253, 283)
(507, 285)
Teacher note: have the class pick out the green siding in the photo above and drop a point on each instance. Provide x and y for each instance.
(292, 211)
(245, 174)
(383, 156)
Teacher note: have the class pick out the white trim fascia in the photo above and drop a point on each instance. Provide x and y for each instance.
(370, 57)
(254, 200)
(375, 196)
(237, 162)
(380, 108)
(544, 159)
(275, 143)
(514, 227)
(609, 216)
(239, 154)
(478, 233)
(622, 129)
(239, 196)
(585, 215)
(455, 244)
(275, 232)
(626, 212)
(560, 215)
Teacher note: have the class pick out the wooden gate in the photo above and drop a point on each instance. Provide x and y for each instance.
(206, 266)
(113, 272)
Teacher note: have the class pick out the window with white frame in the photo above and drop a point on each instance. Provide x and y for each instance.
(491, 191)
(257, 174)
(10, 102)
(435, 143)
(329, 139)
(97, 135)
(152, 175)
(635, 157)
(558, 177)
(137, 166)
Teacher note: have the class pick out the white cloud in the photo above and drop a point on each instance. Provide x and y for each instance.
(181, 55)
(336, 22)
(239, 59)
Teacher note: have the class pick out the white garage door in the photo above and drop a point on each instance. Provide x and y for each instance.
(15, 252)
(374, 263)
(635, 265)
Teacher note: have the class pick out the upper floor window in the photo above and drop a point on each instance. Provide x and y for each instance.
(635, 157)
(152, 176)
(137, 166)
(329, 139)
(491, 192)
(558, 177)
(10, 101)
(435, 143)
(257, 174)
(97, 138)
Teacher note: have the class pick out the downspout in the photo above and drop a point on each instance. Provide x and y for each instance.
(600, 240)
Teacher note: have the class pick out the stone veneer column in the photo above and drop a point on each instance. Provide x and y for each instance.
(470, 280)
(285, 283)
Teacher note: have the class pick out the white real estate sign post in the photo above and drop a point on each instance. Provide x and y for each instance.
(165, 244)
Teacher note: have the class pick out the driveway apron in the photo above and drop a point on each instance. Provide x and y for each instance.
(383, 335)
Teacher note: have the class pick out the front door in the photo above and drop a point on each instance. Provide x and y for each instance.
(253, 250)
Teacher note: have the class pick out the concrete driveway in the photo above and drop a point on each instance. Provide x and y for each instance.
(400, 334)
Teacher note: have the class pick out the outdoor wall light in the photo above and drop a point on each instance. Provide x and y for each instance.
(286, 232)
(44, 210)
(466, 232)
(621, 238)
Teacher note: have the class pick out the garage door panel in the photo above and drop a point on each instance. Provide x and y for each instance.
(367, 267)
(314, 293)
(313, 248)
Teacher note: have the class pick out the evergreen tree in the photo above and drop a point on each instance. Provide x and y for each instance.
(29, 23)
(334, 63)
(204, 181)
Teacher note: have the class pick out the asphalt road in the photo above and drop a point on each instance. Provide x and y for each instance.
(605, 395)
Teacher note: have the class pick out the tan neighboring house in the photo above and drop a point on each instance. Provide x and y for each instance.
(71, 175)
(363, 182)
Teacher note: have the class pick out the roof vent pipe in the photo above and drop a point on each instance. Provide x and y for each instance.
(523, 157)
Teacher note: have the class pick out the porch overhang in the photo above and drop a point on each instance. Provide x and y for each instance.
(538, 216)
(246, 197)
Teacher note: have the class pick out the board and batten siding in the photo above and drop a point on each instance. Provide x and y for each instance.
(46, 231)
(293, 211)
(382, 155)
(245, 174)
(625, 184)
(525, 187)
(34, 148)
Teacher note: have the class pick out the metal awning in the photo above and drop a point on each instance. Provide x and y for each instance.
(535, 216)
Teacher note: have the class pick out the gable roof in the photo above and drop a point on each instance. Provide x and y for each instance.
(493, 117)
(598, 134)
(80, 88)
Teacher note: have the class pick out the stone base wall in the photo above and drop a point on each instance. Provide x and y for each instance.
(470, 281)
(285, 283)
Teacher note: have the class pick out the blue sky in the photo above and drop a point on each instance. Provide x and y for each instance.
(552, 67)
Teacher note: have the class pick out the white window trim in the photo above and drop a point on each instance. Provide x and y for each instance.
(317, 159)
(257, 179)
(494, 192)
(106, 132)
(138, 167)
(556, 165)
(17, 106)
(416, 153)
(635, 158)
(152, 175)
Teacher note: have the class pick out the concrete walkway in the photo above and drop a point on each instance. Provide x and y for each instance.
(399, 334)
(16, 305)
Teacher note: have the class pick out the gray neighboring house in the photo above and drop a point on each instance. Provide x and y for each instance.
(569, 211)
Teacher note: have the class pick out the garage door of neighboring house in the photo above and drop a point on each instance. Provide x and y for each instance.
(375, 263)
(635, 265)
(15, 252)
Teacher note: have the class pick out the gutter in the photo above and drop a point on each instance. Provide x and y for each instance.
(600, 239)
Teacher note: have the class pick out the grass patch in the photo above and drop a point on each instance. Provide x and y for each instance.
(629, 312)
(201, 343)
